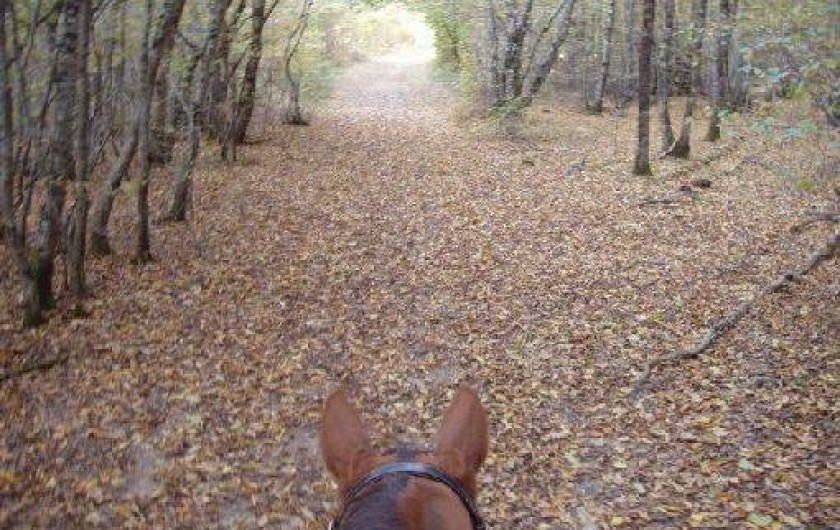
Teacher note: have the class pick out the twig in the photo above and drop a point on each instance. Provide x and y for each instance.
(33, 367)
(721, 327)
(666, 202)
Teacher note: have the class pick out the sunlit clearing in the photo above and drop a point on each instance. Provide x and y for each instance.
(407, 39)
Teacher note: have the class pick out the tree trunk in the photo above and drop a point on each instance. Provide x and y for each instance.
(99, 242)
(496, 88)
(720, 70)
(682, 147)
(518, 25)
(216, 111)
(713, 133)
(728, 11)
(294, 114)
(15, 239)
(606, 50)
(628, 64)
(161, 45)
(544, 68)
(78, 232)
(192, 101)
(142, 249)
(663, 89)
(642, 165)
(248, 92)
(60, 161)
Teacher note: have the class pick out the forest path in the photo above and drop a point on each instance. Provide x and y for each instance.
(393, 250)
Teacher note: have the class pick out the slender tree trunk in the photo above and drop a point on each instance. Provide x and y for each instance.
(76, 244)
(544, 68)
(518, 25)
(294, 114)
(682, 147)
(727, 30)
(60, 163)
(99, 242)
(713, 133)
(192, 101)
(248, 92)
(160, 47)
(628, 64)
(15, 240)
(606, 50)
(142, 249)
(496, 88)
(642, 165)
(217, 115)
(663, 91)
(720, 70)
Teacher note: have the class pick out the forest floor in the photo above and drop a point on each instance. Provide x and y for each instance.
(398, 250)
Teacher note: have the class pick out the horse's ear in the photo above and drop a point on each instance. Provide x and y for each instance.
(463, 438)
(343, 437)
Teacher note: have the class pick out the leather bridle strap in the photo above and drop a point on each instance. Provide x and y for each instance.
(414, 469)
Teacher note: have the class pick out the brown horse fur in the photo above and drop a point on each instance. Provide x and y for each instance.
(401, 502)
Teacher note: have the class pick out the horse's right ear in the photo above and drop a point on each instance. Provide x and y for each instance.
(463, 439)
(343, 438)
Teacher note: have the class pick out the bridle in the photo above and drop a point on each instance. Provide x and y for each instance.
(414, 469)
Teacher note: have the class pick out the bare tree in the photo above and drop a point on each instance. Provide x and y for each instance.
(519, 68)
(192, 93)
(719, 79)
(60, 159)
(642, 165)
(160, 46)
(77, 229)
(682, 147)
(597, 105)
(629, 55)
(248, 91)
(294, 113)
(663, 79)
(14, 233)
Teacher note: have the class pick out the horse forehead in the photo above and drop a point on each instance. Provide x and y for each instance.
(426, 505)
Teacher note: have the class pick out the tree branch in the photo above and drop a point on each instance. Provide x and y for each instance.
(731, 320)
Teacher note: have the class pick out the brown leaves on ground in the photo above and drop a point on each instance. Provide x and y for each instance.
(391, 250)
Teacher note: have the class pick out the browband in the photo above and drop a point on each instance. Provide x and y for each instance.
(415, 469)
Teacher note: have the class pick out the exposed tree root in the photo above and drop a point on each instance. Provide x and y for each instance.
(721, 327)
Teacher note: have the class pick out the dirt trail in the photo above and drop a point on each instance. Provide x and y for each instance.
(393, 250)
(394, 88)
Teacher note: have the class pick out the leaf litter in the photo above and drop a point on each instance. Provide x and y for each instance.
(396, 251)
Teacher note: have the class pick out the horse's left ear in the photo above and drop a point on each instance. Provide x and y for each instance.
(463, 438)
(343, 438)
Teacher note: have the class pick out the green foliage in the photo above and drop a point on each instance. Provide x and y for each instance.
(805, 184)
(448, 35)
(317, 76)
(792, 50)
(506, 109)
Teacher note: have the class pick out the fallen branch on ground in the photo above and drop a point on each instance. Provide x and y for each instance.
(33, 367)
(816, 217)
(721, 327)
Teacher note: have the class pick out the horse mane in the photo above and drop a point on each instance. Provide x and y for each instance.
(379, 509)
